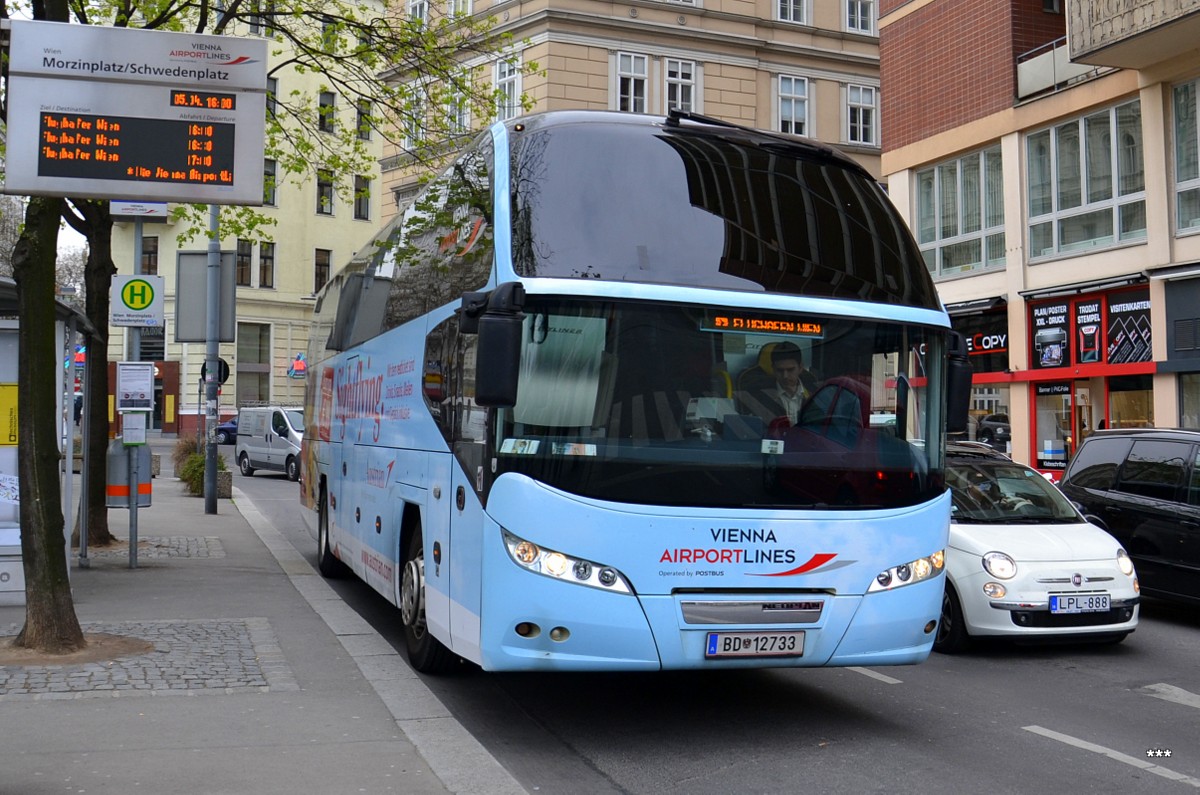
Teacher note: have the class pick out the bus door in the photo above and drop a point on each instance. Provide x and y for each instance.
(466, 529)
(435, 529)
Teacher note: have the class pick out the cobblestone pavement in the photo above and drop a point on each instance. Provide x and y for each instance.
(189, 658)
(162, 547)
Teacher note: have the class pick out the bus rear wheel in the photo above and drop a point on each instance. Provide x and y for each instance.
(425, 652)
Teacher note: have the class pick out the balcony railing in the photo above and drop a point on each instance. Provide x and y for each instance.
(1049, 68)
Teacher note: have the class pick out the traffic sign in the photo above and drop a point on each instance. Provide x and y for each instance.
(136, 301)
(222, 371)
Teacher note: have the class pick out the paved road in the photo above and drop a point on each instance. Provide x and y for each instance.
(1001, 718)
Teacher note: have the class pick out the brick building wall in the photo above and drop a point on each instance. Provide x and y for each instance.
(947, 62)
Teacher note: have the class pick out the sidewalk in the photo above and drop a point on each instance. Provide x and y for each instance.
(260, 679)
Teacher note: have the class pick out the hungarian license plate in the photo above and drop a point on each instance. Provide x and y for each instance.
(754, 644)
(1080, 603)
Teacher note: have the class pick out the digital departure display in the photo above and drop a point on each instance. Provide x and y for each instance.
(763, 324)
(94, 146)
(203, 99)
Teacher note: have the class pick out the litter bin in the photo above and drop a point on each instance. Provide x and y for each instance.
(117, 485)
(12, 570)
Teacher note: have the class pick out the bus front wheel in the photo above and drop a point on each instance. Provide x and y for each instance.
(425, 652)
(327, 564)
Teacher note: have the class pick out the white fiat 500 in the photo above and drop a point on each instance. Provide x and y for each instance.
(1022, 561)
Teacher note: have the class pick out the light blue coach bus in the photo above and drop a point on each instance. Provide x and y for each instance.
(541, 419)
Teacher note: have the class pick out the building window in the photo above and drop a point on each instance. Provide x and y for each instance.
(960, 213)
(1189, 400)
(262, 19)
(266, 265)
(418, 10)
(793, 105)
(269, 182)
(152, 346)
(631, 82)
(459, 6)
(245, 255)
(414, 123)
(255, 21)
(793, 11)
(362, 198)
(326, 111)
(681, 84)
(329, 34)
(860, 16)
(1086, 183)
(149, 256)
(458, 114)
(272, 95)
(325, 192)
(1187, 158)
(508, 89)
(362, 120)
(321, 261)
(253, 364)
(861, 102)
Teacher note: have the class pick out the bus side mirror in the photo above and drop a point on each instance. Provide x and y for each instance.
(958, 384)
(498, 320)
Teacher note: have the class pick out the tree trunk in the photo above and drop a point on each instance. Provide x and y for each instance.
(50, 621)
(98, 281)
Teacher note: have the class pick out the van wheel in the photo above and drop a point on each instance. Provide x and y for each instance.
(425, 652)
(244, 465)
(952, 634)
(292, 468)
(327, 564)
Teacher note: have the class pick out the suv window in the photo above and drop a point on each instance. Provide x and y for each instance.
(1095, 465)
(1194, 485)
(1155, 469)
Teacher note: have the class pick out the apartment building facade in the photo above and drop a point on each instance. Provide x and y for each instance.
(1045, 155)
(801, 66)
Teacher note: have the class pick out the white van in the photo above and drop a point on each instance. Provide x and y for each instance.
(269, 438)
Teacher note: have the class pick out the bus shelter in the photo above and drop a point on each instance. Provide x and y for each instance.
(70, 327)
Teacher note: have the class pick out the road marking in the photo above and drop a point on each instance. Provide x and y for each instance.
(1171, 693)
(887, 680)
(1132, 761)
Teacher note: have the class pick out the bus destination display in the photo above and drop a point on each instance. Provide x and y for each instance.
(103, 146)
(736, 321)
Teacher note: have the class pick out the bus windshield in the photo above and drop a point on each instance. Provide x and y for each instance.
(721, 407)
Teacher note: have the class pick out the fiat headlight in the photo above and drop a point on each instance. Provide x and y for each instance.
(913, 571)
(1000, 565)
(1124, 563)
(561, 566)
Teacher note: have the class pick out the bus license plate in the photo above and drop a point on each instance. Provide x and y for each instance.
(754, 644)
(1079, 603)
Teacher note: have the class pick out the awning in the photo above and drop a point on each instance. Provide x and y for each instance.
(977, 305)
(1096, 286)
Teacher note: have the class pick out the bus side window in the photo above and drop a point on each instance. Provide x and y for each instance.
(444, 246)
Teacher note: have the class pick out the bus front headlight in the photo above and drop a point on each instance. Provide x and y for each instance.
(913, 571)
(564, 567)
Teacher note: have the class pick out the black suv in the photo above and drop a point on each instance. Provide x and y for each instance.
(1143, 486)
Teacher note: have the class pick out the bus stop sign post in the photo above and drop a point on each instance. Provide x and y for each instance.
(135, 401)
